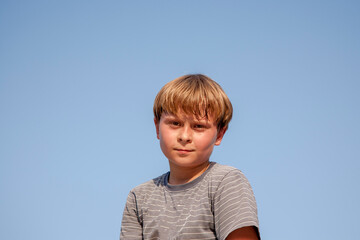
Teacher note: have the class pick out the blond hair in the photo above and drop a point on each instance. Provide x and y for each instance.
(194, 94)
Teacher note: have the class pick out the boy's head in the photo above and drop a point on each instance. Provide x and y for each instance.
(194, 94)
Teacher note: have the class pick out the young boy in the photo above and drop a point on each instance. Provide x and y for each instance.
(197, 199)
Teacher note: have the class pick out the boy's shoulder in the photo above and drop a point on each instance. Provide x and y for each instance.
(222, 174)
(150, 185)
(222, 169)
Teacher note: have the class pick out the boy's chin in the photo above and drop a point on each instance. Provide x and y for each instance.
(188, 163)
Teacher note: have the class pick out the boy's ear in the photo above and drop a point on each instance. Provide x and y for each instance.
(157, 128)
(220, 136)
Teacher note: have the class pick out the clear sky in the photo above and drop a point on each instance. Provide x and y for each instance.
(77, 84)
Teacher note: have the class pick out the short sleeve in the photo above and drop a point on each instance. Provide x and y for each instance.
(131, 227)
(234, 204)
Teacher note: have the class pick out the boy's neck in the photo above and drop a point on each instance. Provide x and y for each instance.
(181, 175)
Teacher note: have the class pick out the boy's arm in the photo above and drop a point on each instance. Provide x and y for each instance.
(245, 233)
(131, 228)
(235, 210)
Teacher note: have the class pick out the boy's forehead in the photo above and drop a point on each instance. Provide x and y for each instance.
(189, 116)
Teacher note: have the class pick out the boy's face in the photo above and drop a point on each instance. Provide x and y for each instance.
(187, 141)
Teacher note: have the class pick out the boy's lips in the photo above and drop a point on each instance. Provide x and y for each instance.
(183, 150)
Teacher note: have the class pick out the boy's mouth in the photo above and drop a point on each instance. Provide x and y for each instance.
(183, 150)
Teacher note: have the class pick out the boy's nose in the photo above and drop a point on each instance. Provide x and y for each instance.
(185, 135)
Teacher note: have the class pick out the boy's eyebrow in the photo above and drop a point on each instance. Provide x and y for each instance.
(169, 115)
(192, 119)
(171, 118)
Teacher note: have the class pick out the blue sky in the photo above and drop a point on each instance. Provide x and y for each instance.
(77, 84)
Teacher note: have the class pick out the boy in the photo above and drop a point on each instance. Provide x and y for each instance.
(197, 199)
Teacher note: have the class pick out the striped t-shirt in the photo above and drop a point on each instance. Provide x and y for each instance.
(210, 207)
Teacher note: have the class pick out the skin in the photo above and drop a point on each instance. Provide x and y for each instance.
(188, 142)
(245, 233)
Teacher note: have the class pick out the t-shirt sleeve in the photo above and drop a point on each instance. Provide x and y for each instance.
(131, 227)
(234, 204)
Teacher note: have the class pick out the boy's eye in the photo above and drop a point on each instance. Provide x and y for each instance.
(199, 126)
(174, 123)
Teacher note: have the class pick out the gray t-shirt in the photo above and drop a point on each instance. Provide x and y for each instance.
(210, 207)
